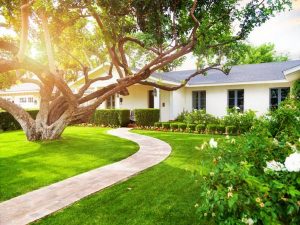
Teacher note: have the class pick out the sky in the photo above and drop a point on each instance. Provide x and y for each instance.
(283, 30)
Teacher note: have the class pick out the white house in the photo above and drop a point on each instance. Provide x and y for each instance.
(258, 87)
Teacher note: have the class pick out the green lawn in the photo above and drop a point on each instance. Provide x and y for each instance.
(26, 166)
(164, 194)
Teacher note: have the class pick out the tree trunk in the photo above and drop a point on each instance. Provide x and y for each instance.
(39, 133)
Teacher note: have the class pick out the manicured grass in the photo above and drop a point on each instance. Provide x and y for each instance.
(164, 194)
(25, 166)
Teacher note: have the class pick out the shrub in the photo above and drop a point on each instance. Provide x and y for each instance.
(181, 116)
(252, 179)
(200, 128)
(7, 121)
(174, 126)
(231, 130)
(146, 117)
(166, 125)
(191, 127)
(182, 126)
(158, 124)
(199, 117)
(221, 129)
(111, 117)
(242, 121)
(211, 128)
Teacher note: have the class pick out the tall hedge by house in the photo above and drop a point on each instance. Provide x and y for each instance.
(7, 121)
(146, 117)
(111, 117)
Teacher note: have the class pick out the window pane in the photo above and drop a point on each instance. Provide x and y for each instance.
(284, 93)
(195, 100)
(203, 100)
(231, 103)
(240, 93)
(274, 93)
(231, 94)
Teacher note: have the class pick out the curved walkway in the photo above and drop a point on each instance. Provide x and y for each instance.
(44, 201)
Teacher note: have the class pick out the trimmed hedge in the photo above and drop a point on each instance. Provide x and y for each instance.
(146, 117)
(111, 117)
(231, 130)
(174, 126)
(182, 126)
(7, 121)
(166, 125)
(200, 128)
(221, 129)
(191, 127)
(211, 128)
(158, 124)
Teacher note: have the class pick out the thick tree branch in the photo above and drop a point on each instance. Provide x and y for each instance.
(47, 38)
(24, 31)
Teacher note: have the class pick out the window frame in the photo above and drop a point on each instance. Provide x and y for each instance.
(236, 99)
(199, 103)
(279, 97)
(111, 102)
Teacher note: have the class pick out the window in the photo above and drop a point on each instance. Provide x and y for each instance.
(110, 102)
(22, 100)
(236, 99)
(278, 95)
(30, 99)
(199, 100)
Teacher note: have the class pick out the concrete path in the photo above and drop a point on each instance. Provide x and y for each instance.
(44, 201)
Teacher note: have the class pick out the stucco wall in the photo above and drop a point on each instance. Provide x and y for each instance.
(256, 97)
(15, 97)
(137, 98)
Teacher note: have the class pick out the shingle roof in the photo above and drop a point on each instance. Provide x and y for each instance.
(241, 73)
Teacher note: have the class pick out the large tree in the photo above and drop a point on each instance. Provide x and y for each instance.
(74, 36)
(244, 53)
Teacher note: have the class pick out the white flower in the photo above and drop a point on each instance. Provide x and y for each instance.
(213, 214)
(292, 162)
(230, 188)
(219, 158)
(212, 174)
(227, 137)
(275, 166)
(213, 143)
(248, 221)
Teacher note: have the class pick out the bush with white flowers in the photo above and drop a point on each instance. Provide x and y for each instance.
(256, 177)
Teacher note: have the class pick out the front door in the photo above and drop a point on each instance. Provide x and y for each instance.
(150, 99)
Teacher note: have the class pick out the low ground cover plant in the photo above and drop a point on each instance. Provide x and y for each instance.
(255, 178)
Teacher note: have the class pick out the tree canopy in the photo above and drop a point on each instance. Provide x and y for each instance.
(244, 53)
(137, 38)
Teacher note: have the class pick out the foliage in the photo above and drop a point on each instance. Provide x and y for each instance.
(248, 184)
(191, 127)
(166, 125)
(111, 117)
(182, 126)
(199, 117)
(211, 128)
(146, 117)
(158, 124)
(8, 122)
(242, 121)
(231, 130)
(174, 126)
(200, 128)
(284, 123)
(296, 89)
(181, 116)
(247, 54)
